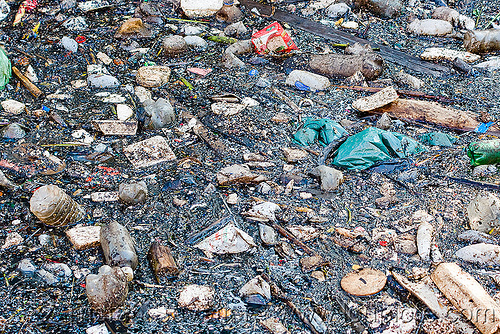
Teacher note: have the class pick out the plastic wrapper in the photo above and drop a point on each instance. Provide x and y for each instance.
(373, 145)
(322, 130)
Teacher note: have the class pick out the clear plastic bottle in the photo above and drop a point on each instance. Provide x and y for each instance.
(54, 207)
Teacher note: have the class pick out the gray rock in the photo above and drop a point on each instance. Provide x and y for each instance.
(235, 29)
(76, 24)
(196, 43)
(268, 235)
(159, 113)
(174, 45)
(190, 30)
(384, 122)
(133, 193)
(102, 81)
(69, 44)
(59, 270)
(13, 131)
(484, 213)
(337, 10)
(330, 178)
(44, 239)
(45, 276)
(118, 246)
(107, 290)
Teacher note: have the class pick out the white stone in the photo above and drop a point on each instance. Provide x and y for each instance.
(13, 107)
(123, 112)
(104, 58)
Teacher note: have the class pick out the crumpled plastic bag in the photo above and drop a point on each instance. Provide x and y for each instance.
(437, 139)
(372, 145)
(323, 130)
(5, 69)
(228, 240)
(486, 152)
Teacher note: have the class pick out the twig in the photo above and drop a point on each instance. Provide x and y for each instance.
(27, 83)
(292, 238)
(277, 293)
(288, 101)
(326, 151)
(183, 20)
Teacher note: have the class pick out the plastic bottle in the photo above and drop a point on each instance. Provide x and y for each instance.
(229, 12)
(312, 81)
(107, 290)
(118, 246)
(479, 41)
(54, 207)
(485, 152)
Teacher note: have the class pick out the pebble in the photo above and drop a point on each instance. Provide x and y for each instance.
(196, 43)
(484, 254)
(174, 45)
(104, 81)
(26, 267)
(196, 297)
(13, 131)
(337, 10)
(330, 178)
(190, 30)
(12, 239)
(104, 58)
(294, 155)
(430, 27)
(268, 235)
(69, 44)
(13, 107)
(75, 24)
(384, 122)
(235, 29)
(84, 237)
(232, 199)
(152, 76)
(133, 193)
(123, 112)
(142, 93)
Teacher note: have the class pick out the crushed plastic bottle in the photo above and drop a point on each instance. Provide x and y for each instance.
(54, 207)
(107, 290)
(485, 152)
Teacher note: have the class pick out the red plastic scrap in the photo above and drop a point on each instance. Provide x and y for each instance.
(273, 38)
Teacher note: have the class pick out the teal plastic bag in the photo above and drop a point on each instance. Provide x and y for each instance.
(5, 69)
(323, 130)
(372, 145)
(437, 139)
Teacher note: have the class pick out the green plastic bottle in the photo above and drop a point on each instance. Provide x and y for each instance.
(5, 69)
(485, 152)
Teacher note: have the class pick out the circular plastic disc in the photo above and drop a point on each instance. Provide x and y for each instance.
(364, 282)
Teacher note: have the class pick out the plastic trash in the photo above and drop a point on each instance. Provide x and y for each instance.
(5, 69)
(228, 240)
(437, 139)
(323, 130)
(273, 38)
(118, 246)
(196, 8)
(107, 290)
(485, 152)
(54, 207)
(307, 81)
(373, 145)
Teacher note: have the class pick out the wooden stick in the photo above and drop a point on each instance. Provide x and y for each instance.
(292, 238)
(277, 293)
(288, 101)
(26, 82)
(401, 92)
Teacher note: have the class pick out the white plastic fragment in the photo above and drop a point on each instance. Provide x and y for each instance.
(313, 81)
(228, 240)
(263, 212)
(196, 297)
(448, 54)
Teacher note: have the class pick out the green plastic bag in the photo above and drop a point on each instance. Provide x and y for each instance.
(485, 152)
(323, 130)
(437, 139)
(5, 69)
(372, 145)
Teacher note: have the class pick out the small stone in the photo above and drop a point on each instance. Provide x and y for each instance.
(280, 118)
(152, 76)
(142, 93)
(268, 235)
(406, 244)
(330, 178)
(350, 25)
(430, 27)
(235, 29)
(309, 263)
(196, 43)
(238, 174)
(133, 28)
(123, 112)
(174, 45)
(13, 107)
(44, 239)
(255, 286)
(384, 122)
(103, 81)
(31, 74)
(319, 275)
(305, 195)
(97, 329)
(294, 155)
(75, 23)
(133, 193)
(129, 273)
(104, 58)
(265, 188)
(274, 326)
(403, 78)
(107, 290)
(13, 131)
(196, 297)
(179, 202)
(84, 237)
(232, 199)
(337, 10)
(26, 267)
(190, 30)
(12, 239)
(69, 44)
(78, 84)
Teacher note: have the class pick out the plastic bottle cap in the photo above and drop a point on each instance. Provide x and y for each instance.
(80, 39)
(301, 86)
